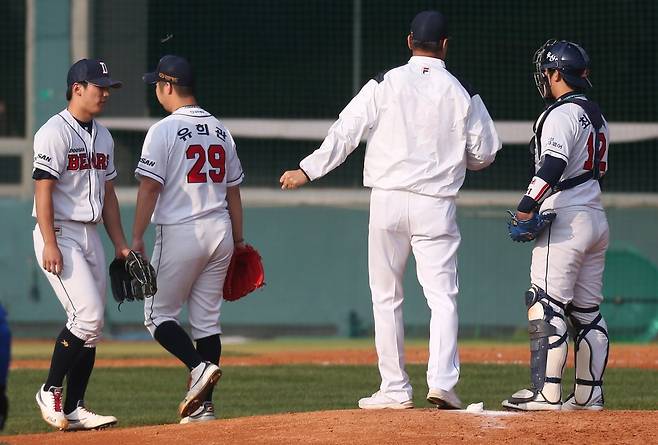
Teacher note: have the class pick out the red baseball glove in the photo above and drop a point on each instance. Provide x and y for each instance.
(245, 273)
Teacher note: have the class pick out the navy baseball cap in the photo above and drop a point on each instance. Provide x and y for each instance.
(429, 26)
(174, 69)
(92, 71)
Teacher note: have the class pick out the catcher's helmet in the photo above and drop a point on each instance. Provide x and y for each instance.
(568, 58)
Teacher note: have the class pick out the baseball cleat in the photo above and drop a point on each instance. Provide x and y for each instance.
(444, 399)
(528, 400)
(380, 401)
(50, 404)
(83, 419)
(203, 378)
(572, 405)
(205, 413)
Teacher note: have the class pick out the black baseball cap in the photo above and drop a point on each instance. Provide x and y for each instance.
(174, 69)
(429, 26)
(93, 71)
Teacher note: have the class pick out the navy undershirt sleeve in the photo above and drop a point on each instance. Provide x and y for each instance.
(41, 174)
(551, 171)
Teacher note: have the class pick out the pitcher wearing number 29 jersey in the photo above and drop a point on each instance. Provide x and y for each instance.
(189, 175)
(194, 157)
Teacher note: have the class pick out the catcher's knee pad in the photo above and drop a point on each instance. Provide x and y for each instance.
(548, 347)
(591, 352)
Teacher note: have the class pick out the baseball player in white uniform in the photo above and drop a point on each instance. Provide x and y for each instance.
(73, 192)
(571, 156)
(425, 129)
(189, 174)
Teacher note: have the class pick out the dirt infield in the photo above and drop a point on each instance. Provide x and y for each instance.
(417, 426)
(621, 356)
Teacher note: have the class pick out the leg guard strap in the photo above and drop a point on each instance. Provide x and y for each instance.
(589, 382)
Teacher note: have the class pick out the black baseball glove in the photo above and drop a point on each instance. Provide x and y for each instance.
(132, 278)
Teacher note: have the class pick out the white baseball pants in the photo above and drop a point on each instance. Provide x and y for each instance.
(402, 222)
(80, 287)
(191, 261)
(568, 259)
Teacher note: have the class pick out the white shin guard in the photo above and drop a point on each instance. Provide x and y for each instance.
(591, 353)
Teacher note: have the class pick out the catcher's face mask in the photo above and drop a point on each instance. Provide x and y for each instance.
(541, 78)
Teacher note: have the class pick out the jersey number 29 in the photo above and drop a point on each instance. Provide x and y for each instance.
(215, 156)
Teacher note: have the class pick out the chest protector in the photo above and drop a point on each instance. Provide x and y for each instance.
(595, 117)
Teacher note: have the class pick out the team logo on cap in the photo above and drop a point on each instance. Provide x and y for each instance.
(168, 78)
(550, 56)
(103, 67)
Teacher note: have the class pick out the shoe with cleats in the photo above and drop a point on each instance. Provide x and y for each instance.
(83, 419)
(381, 401)
(205, 413)
(444, 399)
(202, 378)
(50, 404)
(572, 405)
(529, 400)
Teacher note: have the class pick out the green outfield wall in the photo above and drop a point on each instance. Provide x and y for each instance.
(317, 284)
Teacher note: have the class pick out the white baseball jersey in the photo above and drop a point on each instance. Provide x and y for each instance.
(424, 128)
(567, 134)
(80, 161)
(194, 157)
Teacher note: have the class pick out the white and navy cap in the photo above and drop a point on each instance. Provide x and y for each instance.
(92, 71)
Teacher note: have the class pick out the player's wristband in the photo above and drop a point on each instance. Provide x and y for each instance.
(527, 205)
(538, 189)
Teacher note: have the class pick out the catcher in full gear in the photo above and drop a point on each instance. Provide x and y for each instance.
(562, 210)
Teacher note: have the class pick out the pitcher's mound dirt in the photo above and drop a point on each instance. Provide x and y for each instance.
(417, 426)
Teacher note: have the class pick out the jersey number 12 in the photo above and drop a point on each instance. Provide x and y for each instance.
(603, 146)
(215, 156)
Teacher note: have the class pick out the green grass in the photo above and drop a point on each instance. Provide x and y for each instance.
(143, 396)
(109, 350)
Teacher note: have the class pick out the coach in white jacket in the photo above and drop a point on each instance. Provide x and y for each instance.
(425, 129)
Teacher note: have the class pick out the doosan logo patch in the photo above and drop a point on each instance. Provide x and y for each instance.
(146, 161)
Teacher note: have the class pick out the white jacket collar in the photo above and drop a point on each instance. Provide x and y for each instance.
(424, 60)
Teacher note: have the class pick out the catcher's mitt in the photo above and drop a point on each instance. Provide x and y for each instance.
(132, 278)
(529, 229)
(245, 273)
